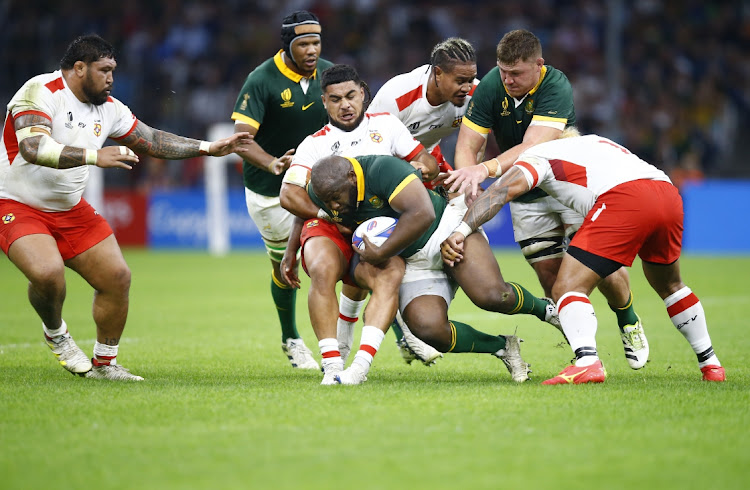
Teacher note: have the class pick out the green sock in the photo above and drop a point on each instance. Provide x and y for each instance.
(625, 315)
(528, 303)
(468, 339)
(397, 330)
(285, 299)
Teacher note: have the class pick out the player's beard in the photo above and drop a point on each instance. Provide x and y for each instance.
(96, 98)
(351, 126)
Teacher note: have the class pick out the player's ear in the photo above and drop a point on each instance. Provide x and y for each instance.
(79, 68)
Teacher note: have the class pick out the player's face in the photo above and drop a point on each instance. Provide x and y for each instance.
(306, 52)
(98, 80)
(342, 200)
(456, 84)
(344, 103)
(520, 77)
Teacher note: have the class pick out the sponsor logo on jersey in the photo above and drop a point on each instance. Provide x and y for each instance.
(81, 124)
(414, 126)
(335, 147)
(243, 106)
(97, 129)
(69, 124)
(376, 202)
(286, 95)
(505, 108)
(305, 107)
(312, 223)
(8, 218)
(376, 137)
(435, 126)
(529, 106)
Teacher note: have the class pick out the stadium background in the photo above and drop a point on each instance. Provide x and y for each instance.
(669, 79)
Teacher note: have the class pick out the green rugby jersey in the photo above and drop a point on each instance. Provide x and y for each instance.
(379, 179)
(491, 108)
(272, 100)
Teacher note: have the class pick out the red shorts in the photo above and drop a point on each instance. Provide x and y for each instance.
(642, 217)
(75, 231)
(324, 228)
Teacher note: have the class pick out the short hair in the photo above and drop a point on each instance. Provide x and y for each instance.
(88, 48)
(518, 45)
(452, 51)
(343, 73)
(329, 173)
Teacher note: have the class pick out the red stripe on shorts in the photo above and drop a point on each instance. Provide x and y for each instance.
(682, 305)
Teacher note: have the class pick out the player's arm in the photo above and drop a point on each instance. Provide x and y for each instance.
(469, 151)
(36, 145)
(484, 208)
(169, 146)
(289, 265)
(258, 157)
(427, 164)
(296, 200)
(417, 214)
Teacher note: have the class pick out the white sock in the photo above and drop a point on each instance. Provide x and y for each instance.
(329, 351)
(578, 321)
(372, 337)
(51, 334)
(105, 354)
(349, 311)
(686, 312)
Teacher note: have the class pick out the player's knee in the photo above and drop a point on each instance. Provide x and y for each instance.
(500, 299)
(49, 278)
(120, 279)
(431, 329)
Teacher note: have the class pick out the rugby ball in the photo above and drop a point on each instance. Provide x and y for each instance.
(377, 230)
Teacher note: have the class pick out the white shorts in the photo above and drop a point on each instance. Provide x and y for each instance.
(443, 287)
(535, 219)
(273, 222)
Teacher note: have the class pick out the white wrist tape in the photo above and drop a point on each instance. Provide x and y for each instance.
(91, 157)
(48, 153)
(499, 170)
(205, 147)
(323, 215)
(463, 229)
(489, 174)
(124, 150)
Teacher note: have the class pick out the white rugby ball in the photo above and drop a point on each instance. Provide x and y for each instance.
(377, 230)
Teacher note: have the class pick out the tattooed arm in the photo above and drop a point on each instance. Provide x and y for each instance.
(484, 208)
(161, 144)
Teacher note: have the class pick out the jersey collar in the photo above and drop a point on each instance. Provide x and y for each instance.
(360, 179)
(286, 71)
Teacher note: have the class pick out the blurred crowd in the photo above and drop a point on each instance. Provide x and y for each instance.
(668, 78)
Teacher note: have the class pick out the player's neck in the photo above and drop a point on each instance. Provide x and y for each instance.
(74, 85)
(433, 95)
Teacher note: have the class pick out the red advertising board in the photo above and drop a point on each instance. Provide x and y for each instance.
(125, 211)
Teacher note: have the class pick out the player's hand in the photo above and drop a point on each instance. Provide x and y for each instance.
(452, 249)
(232, 144)
(116, 157)
(346, 232)
(371, 254)
(466, 179)
(279, 165)
(289, 269)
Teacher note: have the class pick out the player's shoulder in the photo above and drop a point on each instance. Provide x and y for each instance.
(555, 77)
(325, 130)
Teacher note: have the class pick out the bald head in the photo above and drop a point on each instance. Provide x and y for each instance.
(330, 175)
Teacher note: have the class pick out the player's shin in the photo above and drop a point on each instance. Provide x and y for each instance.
(579, 324)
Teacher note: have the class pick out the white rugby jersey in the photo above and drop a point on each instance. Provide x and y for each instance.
(377, 134)
(74, 123)
(576, 171)
(405, 96)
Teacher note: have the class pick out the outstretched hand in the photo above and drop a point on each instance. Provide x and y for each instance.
(279, 165)
(466, 179)
(289, 269)
(225, 146)
(452, 249)
(116, 157)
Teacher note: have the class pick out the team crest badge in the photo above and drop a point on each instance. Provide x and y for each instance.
(98, 129)
(376, 202)
(457, 122)
(8, 218)
(313, 223)
(530, 106)
(376, 137)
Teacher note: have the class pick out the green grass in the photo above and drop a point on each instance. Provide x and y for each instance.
(221, 407)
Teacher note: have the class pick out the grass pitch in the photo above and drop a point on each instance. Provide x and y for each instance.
(221, 407)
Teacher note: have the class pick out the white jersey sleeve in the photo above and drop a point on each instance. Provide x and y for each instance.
(403, 144)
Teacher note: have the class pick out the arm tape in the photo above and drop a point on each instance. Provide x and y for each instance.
(31, 131)
(463, 229)
(48, 153)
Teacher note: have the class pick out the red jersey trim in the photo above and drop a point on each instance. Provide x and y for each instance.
(9, 139)
(409, 98)
(35, 113)
(110, 99)
(373, 114)
(135, 123)
(322, 132)
(55, 85)
(414, 152)
(473, 88)
(532, 170)
(566, 171)
(300, 165)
